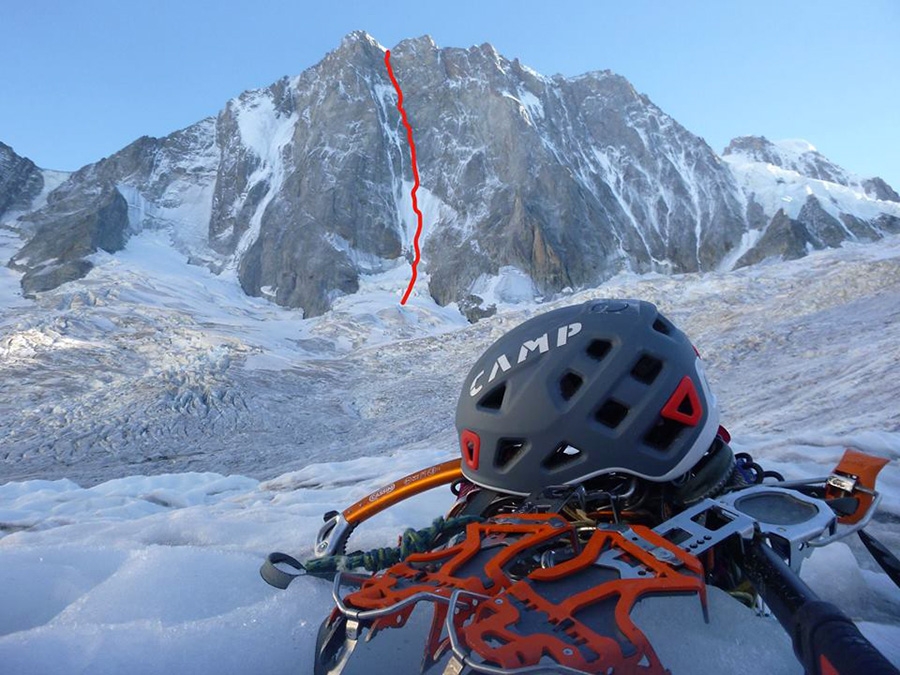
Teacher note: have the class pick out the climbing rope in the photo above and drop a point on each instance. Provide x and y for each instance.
(411, 541)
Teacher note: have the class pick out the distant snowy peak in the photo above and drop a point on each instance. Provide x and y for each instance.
(798, 201)
(792, 154)
(802, 157)
(361, 36)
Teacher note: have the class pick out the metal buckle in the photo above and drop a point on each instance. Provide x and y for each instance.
(554, 498)
(332, 536)
(365, 615)
(845, 483)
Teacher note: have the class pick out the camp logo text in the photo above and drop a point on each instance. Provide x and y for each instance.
(540, 345)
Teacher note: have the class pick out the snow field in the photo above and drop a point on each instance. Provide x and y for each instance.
(777, 188)
(160, 574)
(156, 574)
(150, 366)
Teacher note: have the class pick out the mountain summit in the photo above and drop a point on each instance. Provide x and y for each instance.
(301, 188)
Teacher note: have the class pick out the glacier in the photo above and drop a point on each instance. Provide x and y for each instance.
(117, 556)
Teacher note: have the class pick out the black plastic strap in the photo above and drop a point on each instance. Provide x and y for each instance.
(276, 577)
(478, 502)
(887, 560)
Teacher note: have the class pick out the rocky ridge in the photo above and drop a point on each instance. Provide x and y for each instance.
(20, 181)
(302, 188)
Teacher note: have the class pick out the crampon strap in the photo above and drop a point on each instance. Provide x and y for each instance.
(521, 592)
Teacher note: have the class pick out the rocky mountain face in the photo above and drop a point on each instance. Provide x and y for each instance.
(147, 184)
(20, 181)
(301, 188)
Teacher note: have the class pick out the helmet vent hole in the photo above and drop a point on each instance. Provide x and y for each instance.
(561, 456)
(663, 434)
(507, 450)
(611, 414)
(493, 399)
(646, 369)
(598, 349)
(661, 326)
(570, 384)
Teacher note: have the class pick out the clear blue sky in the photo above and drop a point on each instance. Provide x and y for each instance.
(81, 79)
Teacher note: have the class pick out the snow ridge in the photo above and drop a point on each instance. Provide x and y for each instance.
(787, 173)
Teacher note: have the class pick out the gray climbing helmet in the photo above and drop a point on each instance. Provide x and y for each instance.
(606, 386)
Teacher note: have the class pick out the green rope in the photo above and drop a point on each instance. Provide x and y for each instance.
(411, 541)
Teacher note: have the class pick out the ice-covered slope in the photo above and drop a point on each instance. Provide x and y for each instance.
(798, 200)
(152, 365)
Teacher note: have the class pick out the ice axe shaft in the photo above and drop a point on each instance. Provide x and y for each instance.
(332, 538)
(403, 488)
(826, 641)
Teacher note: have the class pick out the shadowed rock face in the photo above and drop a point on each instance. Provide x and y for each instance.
(57, 251)
(878, 189)
(784, 237)
(303, 186)
(570, 180)
(89, 212)
(20, 181)
(813, 229)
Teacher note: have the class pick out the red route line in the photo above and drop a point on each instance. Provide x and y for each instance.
(415, 169)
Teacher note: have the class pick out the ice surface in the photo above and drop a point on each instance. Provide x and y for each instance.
(160, 574)
(510, 286)
(254, 422)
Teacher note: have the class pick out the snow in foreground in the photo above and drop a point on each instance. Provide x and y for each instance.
(159, 575)
(104, 571)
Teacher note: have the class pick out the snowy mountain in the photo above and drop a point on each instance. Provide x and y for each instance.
(532, 184)
(798, 200)
(802, 158)
(152, 183)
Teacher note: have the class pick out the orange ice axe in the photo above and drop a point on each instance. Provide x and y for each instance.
(333, 536)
